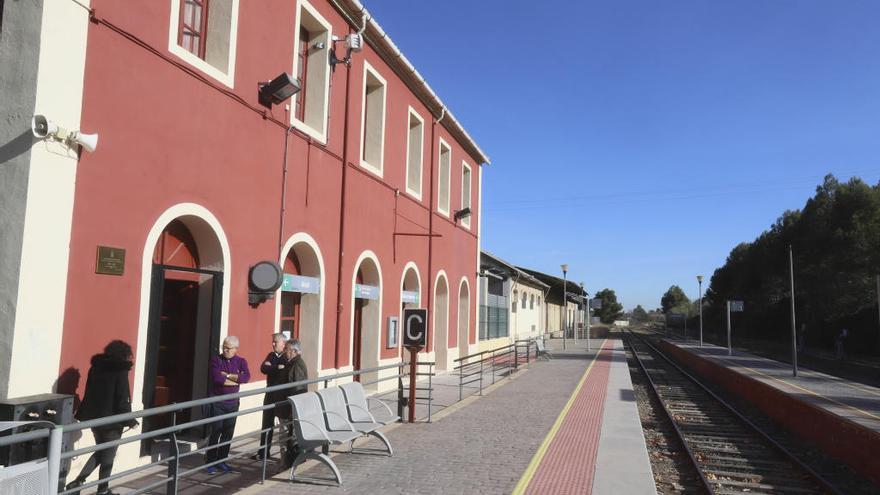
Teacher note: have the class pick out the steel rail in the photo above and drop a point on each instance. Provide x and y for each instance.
(816, 477)
(681, 438)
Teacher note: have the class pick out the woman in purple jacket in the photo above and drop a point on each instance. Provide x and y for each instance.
(227, 372)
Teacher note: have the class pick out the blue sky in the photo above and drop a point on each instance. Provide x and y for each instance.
(640, 140)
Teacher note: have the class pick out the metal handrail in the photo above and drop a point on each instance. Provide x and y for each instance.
(121, 418)
(55, 455)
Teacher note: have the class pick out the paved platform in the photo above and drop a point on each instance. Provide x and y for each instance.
(839, 415)
(572, 422)
(487, 444)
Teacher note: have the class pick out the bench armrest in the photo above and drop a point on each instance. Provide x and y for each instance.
(390, 412)
(350, 427)
(313, 425)
(372, 418)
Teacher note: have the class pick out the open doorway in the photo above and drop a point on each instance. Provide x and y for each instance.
(184, 325)
(441, 322)
(366, 320)
(464, 318)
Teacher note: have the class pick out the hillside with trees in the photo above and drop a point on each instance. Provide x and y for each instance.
(835, 239)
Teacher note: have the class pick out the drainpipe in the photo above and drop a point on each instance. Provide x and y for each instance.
(431, 233)
(339, 306)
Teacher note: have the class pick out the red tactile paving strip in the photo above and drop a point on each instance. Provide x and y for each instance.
(570, 461)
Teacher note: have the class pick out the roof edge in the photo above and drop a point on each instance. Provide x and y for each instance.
(394, 57)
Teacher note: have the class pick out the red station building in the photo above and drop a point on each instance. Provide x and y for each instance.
(362, 186)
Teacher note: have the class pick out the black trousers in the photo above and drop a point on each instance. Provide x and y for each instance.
(221, 431)
(104, 457)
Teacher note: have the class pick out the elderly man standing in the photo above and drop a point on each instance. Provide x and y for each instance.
(227, 372)
(295, 371)
(276, 373)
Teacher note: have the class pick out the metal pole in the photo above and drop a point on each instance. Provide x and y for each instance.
(878, 300)
(793, 328)
(700, 281)
(589, 317)
(54, 459)
(564, 306)
(729, 348)
(413, 360)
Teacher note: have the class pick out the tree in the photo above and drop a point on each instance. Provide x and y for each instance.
(640, 315)
(611, 309)
(674, 300)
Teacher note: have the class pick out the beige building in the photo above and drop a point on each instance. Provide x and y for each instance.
(512, 303)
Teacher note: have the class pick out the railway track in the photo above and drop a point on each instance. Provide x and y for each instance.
(729, 452)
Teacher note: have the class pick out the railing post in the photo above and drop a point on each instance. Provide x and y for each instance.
(515, 356)
(460, 378)
(430, 389)
(481, 374)
(400, 392)
(494, 366)
(54, 458)
(174, 465)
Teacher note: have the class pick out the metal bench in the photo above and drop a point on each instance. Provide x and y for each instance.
(311, 433)
(338, 419)
(358, 405)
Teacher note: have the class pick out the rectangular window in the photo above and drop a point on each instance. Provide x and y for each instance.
(193, 26)
(443, 178)
(414, 154)
(466, 192)
(312, 45)
(203, 34)
(373, 123)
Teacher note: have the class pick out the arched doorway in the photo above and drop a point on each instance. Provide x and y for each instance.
(366, 321)
(464, 318)
(441, 322)
(410, 293)
(183, 330)
(299, 308)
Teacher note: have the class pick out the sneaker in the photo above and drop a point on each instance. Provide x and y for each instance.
(74, 484)
(108, 492)
(224, 467)
(211, 469)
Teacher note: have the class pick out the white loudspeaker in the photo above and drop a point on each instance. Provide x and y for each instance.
(43, 127)
(88, 141)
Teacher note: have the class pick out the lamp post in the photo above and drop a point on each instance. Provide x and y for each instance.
(564, 267)
(700, 282)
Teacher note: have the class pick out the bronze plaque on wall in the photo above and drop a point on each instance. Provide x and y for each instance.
(111, 260)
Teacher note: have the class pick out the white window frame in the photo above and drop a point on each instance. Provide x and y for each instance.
(226, 77)
(416, 194)
(466, 221)
(311, 131)
(378, 170)
(444, 211)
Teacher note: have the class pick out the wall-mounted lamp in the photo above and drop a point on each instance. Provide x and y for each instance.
(278, 90)
(44, 128)
(462, 213)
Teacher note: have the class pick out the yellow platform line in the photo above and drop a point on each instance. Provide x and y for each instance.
(798, 387)
(542, 450)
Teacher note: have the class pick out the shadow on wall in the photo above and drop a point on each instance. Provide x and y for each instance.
(18, 146)
(67, 383)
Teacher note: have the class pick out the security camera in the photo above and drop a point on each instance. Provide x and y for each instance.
(43, 127)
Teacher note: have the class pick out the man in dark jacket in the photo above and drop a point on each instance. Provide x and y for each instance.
(275, 370)
(107, 393)
(296, 371)
(228, 371)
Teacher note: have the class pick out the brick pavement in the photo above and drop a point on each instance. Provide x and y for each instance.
(484, 446)
(567, 460)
